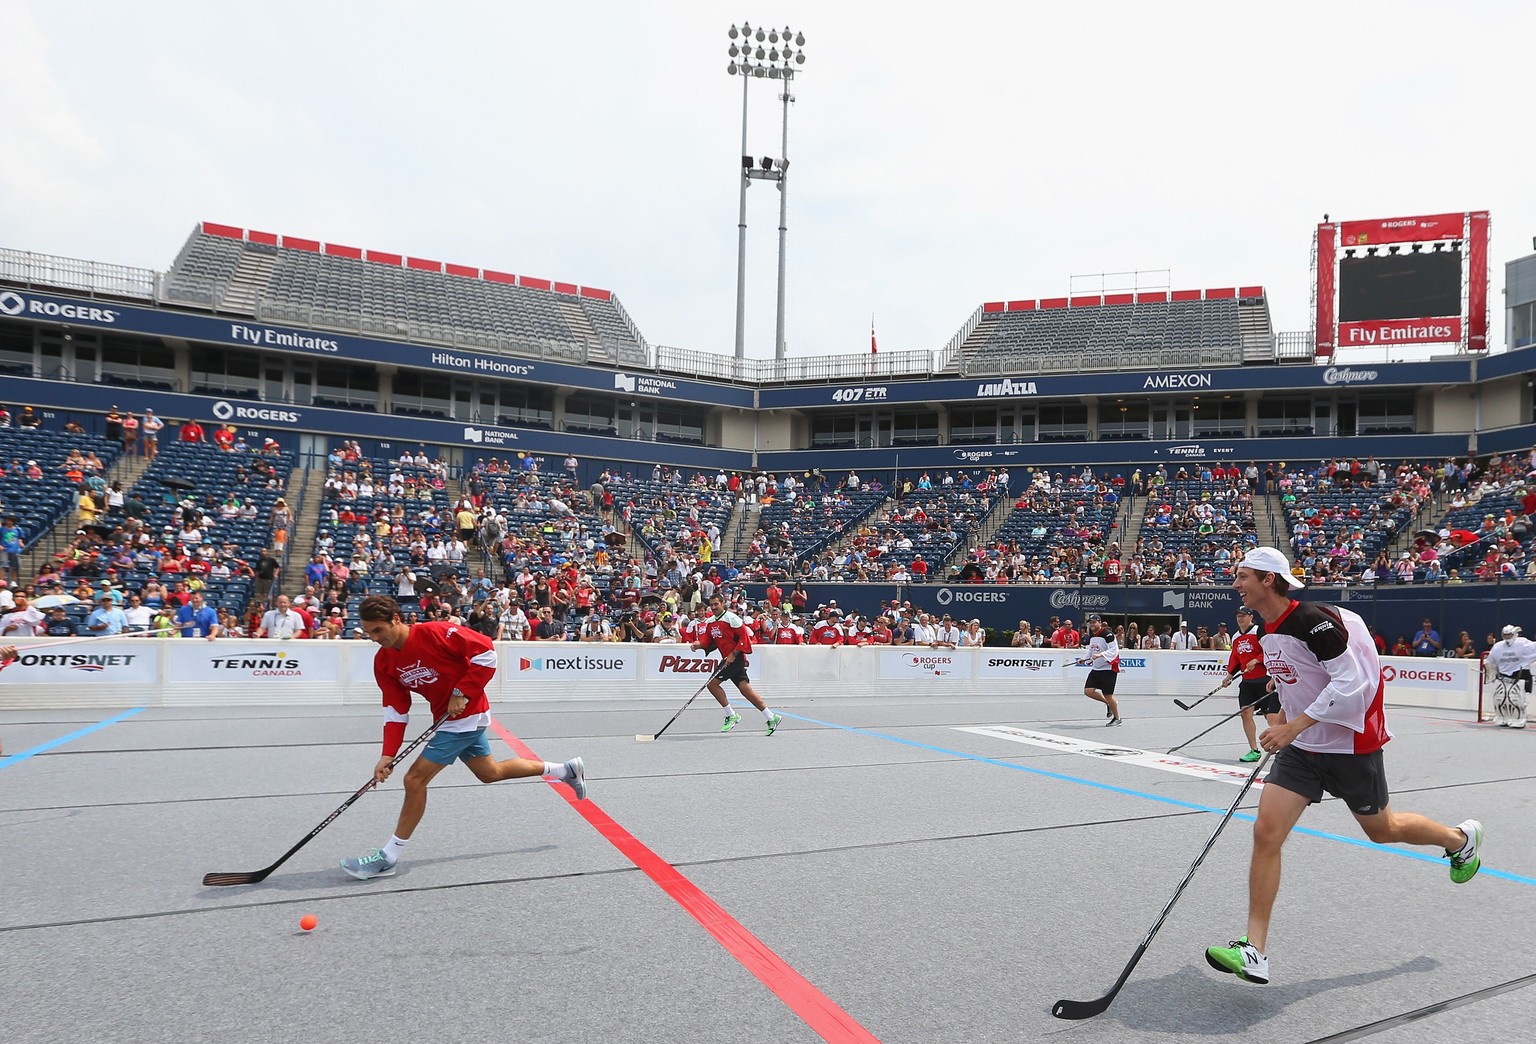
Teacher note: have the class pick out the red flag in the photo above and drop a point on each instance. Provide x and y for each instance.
(872, 349)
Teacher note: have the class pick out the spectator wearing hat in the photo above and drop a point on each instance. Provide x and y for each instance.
(106, 619)
(151, 428)
(28, 418)
(113, 428)
(58, 624)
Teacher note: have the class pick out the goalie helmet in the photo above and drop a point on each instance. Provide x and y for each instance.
(1510, 630)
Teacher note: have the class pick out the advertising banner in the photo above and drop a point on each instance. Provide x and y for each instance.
(569, 661)
(937, 665)
(126, 662)
(1477, 281)
(1420, 229)
(1323, 325)
(1384, 333)
(269, 663)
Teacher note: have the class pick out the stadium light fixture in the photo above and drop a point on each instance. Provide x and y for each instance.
(779, 60)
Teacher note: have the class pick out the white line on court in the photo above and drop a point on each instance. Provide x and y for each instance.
(1128, 755)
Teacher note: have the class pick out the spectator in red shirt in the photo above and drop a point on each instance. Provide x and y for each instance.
(223, 437)
(918, 569)
(191, 431)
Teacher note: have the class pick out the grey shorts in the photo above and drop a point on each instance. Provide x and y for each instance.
(1359, 780)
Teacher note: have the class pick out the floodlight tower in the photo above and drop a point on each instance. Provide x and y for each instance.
(756, 53)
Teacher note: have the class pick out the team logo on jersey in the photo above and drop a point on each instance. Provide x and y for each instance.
(417, 675)
(1281, 671)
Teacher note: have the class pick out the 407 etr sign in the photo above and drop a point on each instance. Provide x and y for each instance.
(866, 394)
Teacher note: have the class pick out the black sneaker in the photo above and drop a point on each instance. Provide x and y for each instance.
(1113, 721)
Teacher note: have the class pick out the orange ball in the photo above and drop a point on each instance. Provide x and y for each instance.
(308, 922)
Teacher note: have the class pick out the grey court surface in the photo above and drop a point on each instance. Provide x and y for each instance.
(877, 873)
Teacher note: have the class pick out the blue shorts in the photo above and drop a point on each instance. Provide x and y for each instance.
(444, 748)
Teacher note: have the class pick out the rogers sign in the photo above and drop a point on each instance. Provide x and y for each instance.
(1445, 676)
(14, 304)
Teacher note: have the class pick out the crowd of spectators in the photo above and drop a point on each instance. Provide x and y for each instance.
(120, 572)
(1344, 513)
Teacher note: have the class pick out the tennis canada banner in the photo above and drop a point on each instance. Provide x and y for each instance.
(263, 661)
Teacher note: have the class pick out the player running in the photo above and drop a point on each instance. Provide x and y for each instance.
(1329, 739)
(448, 665)
(1509, 664)
(1256, 691)
(1104, 667)
(726, 634)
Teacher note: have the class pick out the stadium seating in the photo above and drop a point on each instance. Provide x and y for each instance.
(1147, 334)
(329, 291)
(38, 504)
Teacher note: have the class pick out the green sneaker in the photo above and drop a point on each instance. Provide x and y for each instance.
(774, 722)
(1251, 756)
(1465, 863)
(731, 721)
(1239, 958)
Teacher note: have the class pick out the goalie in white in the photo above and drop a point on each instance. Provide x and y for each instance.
(1508, 667)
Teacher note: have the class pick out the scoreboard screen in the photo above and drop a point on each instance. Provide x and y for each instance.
(1400, 286)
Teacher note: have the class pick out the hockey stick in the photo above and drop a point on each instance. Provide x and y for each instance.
(1213, 728)
(642, 738)
(1074, 1010)
(1192, 706)
(215, 880)
(45, 646)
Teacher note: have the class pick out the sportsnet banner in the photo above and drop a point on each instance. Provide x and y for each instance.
(130, 662)
(1384, 333)
(1421, 229)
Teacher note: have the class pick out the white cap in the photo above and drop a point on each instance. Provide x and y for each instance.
(1510, 630)
(1270, 560)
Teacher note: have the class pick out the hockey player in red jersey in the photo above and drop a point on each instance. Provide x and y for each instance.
(726, 634)
(448, 665)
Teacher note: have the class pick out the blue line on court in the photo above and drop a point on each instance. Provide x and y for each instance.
(11, 759)
(1406, 853)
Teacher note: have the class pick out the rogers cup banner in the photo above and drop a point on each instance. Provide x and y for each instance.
(936, 665)
(1383, 333)
(1402, 230)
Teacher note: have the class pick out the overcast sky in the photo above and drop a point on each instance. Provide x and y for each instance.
(942, 156)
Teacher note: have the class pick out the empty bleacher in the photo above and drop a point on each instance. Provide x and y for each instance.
(340, 288)
(1118, 331)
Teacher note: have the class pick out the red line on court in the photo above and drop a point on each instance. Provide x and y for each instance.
(816, 1009)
